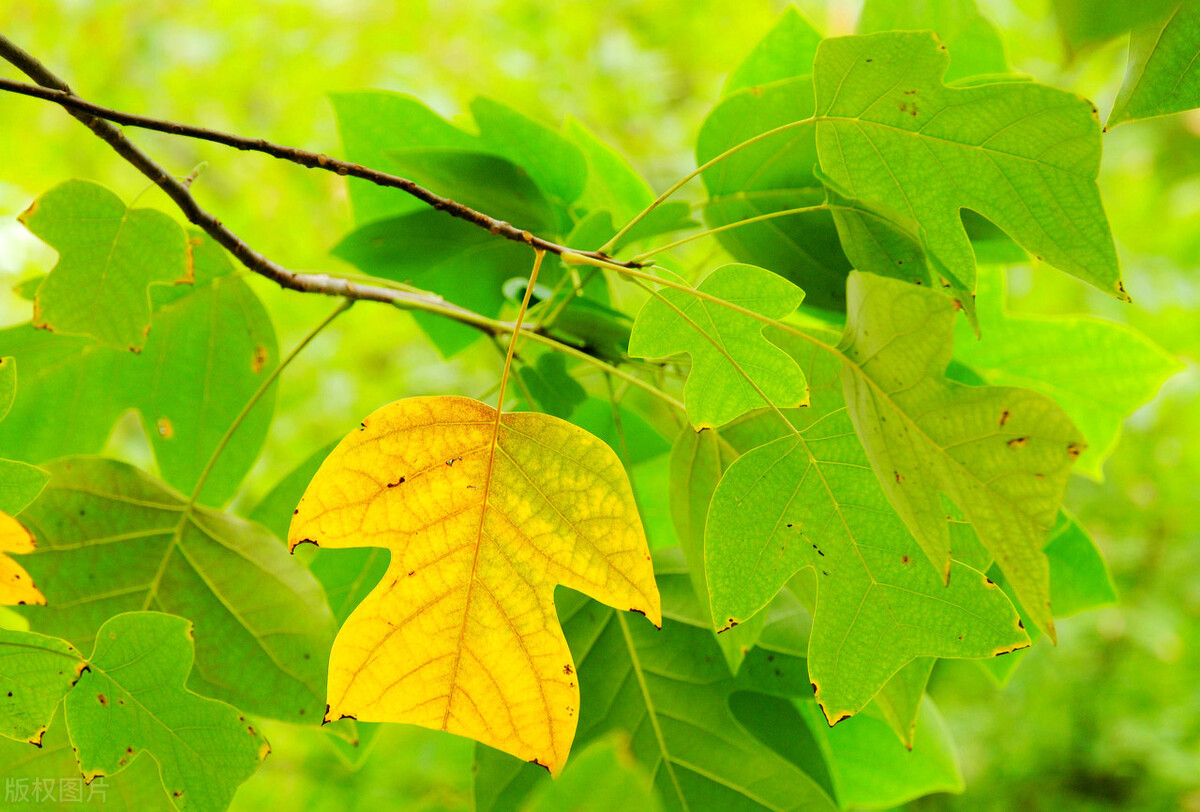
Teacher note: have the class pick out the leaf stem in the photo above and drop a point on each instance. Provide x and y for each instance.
(679, 184)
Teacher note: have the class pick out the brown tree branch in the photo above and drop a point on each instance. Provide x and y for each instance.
(312, 160)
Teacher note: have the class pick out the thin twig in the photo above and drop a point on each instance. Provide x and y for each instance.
(54, 90)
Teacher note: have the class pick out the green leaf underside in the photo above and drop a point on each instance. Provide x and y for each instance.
(1023, 155)
(669, 690)
(36, 672)
(604, 777)
(111, 540)
(810, 499)
(733, 365)
(109, 255)
(131, 698)
(210, 348)
(974, 44)
(1002, 454)
(1164, 67)
(20, 483)
(1098, 371)
(1087, 22)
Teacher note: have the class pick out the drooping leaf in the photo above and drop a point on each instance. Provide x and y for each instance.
(132, 698)
(483, 516)
(1001, 454)
(211, 347)
(20, 483)
(1023, 155)
(36, 672)
(726, 347)
(1163, 75)
(670, 691)
(787, 50)
(112, 539)
(108, 257)
(975, 46)
(1098, 371)
(16, 585)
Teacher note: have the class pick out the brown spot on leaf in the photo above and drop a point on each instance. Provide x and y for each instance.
(259, 360)
(102, 699)
(904, 559)
(1018, 442)
(36, 740)
(166, 429)
(899, 476)
(399, 481)
(567, 669)
(1004, 415)
(1074, 450)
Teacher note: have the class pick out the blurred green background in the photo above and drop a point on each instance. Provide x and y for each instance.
(1108, 719)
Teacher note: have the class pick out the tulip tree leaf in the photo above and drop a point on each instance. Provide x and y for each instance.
(484, 515)
(36, 672)
(1164, 67)
(1098, 371)
(670, 691)
(108, 256)
(1023, 155)
(132, 698)
(1001, 454)
(974, 44)
(733, 365)
(112, 539)
(211, 347)
(1086, 22)
(810, 499)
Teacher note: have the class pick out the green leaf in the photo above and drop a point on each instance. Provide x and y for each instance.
(771, 175)
(698, 460)
(1023, 155)
(8, 384)
(1002, 454)
(48, 778)
(1087, 22)
(1163, 75)
(36, 672)
(871, 770)
(374, 122)
(347, 576)
(484, 182)
(20, 483)
(975, 46)
(642, 442)
(553, 389)
(554, 163)
(612, 183)
(1098, 371)
(724, 344)
(111, 540)
(670, 692)
(211, 347)
(132, 698)
(603, 778)
(1079, 582)
(787, 50)
(452, 258)
(811, 500)
(108, 256)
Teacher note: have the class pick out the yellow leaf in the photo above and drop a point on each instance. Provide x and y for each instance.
(483, 518)
(16, 587)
